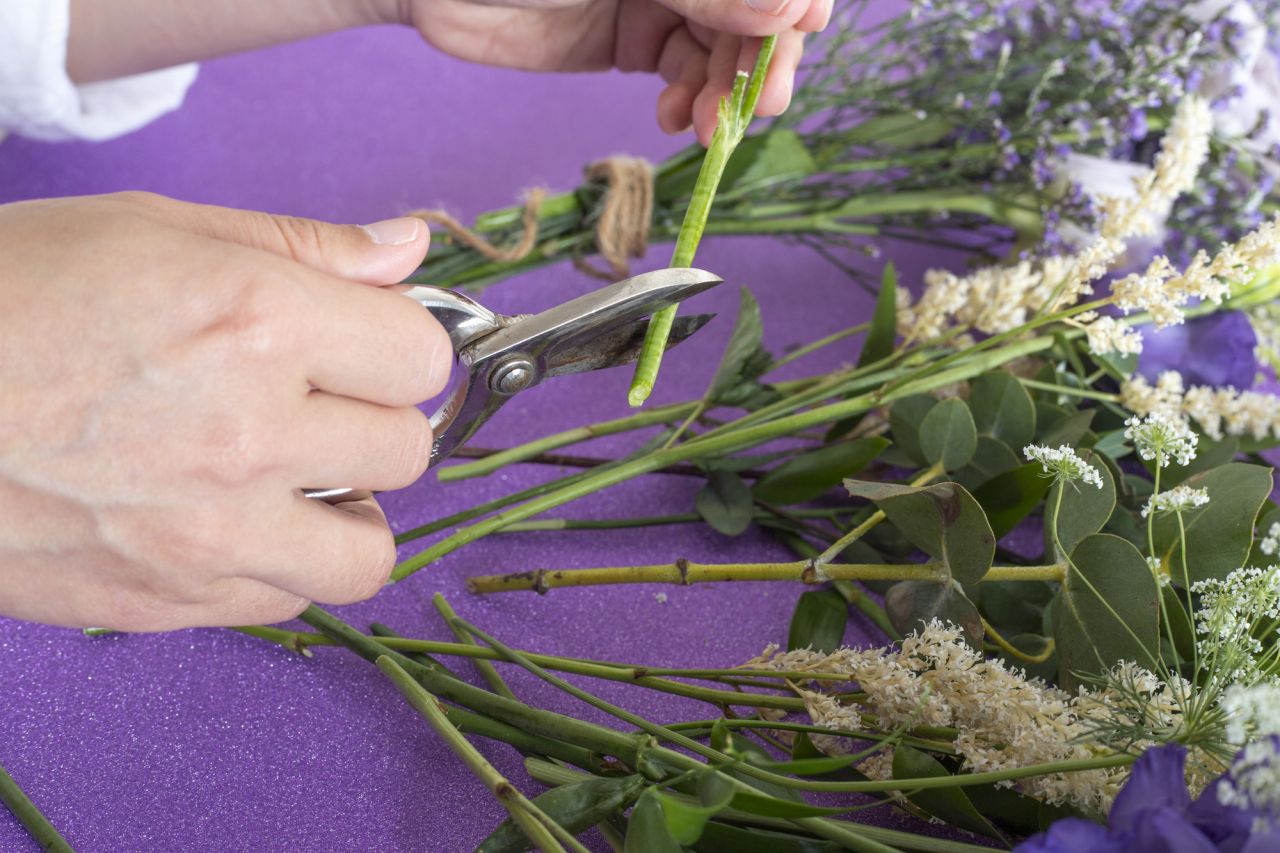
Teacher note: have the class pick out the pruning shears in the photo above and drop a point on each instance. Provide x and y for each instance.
(498, 356)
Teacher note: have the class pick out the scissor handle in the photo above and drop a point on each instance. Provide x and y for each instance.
(465, 320)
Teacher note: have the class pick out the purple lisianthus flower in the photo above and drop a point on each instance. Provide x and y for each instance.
(1214, 350)
(1154, 812)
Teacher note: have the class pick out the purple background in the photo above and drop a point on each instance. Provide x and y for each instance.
(210, 740)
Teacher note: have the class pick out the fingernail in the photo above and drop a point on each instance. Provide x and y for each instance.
(769, 7)
(394, 232)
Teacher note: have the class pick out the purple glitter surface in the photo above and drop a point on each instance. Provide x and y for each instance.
(209, 740)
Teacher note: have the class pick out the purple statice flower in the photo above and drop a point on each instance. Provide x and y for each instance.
(1215, 350)
(1154, 813)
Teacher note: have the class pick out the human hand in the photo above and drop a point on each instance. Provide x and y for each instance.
(696, 45)
(171, 375)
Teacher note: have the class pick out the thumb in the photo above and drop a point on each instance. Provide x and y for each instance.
(385, 252)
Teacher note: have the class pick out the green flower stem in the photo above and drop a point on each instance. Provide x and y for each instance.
(480, 467)
(556, 775)
(734, 117)
(535, 824)
(548, 724)
(33, 821)
(1068, 391)
(646, 521)
(708, 445)
(495, 681)
(684, 573)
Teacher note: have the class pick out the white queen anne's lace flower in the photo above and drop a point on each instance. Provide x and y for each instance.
(1063, 464)
(1161, 438)
(1177, 499)
(1252, 712)
(1254, 783)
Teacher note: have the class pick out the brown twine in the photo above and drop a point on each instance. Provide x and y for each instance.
(622, 229)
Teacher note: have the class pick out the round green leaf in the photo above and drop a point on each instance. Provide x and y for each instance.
(1106, 610)
(725, 503)
(905, 418)
(1219, 534)
(818, 621)
(911, 605)
(948, 435)
(1085, 509)
(1003, 409)
(950, 804)
(1010, 497)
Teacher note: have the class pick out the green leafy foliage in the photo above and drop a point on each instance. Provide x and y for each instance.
(725, 503)
(744, 359)
(685, 820)
(949, 804)
(905, 418)
(884, 321)
(942, 520)
(1010, 497)
(818, 621)
(991, 458)
(776, 152)
(722, 837)
(577, 807)
(911, 605)
(1003, 409)
(948, 435)
(1219, 534)
(1084, 510)
(1106, 610)
(647, 829)
(1056, 426)
(813, 474)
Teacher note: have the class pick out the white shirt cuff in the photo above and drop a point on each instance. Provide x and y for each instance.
(39, 101)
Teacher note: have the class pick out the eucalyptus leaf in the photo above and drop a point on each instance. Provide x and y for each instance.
(911, 605)
(905, 418)
(949, 804)
(725, 503)
(1084, 510)
(1009, 497)
(1012, 810)
(948, 435)
(1173, 611)
(1209, 454)
(1106, 610)
(647, 830)
(1219, 534)
(1003, 409)
(1269, 517)
(884, 320)
(942, 520)
(818, 621)
(991, 458)
(577, 807)
(810, 475)
(1056, 426)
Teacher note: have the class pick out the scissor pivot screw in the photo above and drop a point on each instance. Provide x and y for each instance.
(512, 376)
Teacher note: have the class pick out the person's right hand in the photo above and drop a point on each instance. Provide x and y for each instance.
(171, 375)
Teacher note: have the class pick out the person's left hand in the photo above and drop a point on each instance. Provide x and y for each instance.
(696, 45)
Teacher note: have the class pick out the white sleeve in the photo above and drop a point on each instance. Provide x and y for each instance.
(39, 101)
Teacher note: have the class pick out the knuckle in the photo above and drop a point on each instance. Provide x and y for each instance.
(433, 341)
(136, 198)
(254, 319)
(303, 240)
(231, 452)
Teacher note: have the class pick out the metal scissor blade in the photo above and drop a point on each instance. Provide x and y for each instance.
(595, 315)
(621, 346)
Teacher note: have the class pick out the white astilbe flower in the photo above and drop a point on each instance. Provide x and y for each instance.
(1218, 411)
(1254, 784)
(1161, 438)
(1004, 719)
(1108, 335)
(1270, 543)
(1183, 150)
(1252, 712)
(1063, 465)
(1177, 499)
